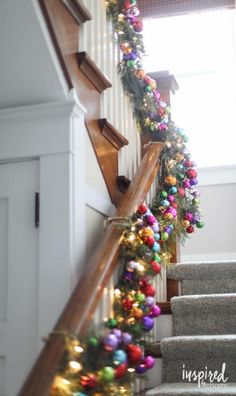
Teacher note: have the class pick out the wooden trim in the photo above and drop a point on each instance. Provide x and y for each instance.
(78, 10)
(165, 307)
(78, 313)
(92, 72)
(111, 134)
(154, 350)
(55, 44)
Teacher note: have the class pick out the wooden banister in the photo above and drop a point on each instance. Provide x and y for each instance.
(81, 306)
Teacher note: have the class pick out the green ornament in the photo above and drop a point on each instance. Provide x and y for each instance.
(133, 2)
(164, 194)
(107, 374)
(196, 201)
(111, 323)
(130, 63)
(140, 297)
(148, 88)
(93, 342)
(156, 257)
(164, 236)
(200, 224)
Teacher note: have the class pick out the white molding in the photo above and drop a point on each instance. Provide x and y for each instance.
(37, 130)
(98, 202)
(43, 111)
(216, 175)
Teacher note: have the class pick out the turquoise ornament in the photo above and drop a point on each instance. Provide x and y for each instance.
(119, 356)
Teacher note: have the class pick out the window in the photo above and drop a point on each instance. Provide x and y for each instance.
(200, 50)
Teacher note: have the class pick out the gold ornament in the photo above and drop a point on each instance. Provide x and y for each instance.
(171, 180)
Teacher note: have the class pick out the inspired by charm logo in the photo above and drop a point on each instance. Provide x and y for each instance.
(206, 378)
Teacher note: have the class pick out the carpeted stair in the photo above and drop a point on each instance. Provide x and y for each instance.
(204, 328)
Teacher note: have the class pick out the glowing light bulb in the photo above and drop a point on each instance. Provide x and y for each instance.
(78, 349)
(75, 366)
(131, 369)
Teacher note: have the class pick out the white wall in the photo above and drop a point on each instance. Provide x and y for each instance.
(217, 240)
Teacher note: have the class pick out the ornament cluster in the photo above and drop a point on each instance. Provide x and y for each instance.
(108, 363)
(151, 112)
(177, 201)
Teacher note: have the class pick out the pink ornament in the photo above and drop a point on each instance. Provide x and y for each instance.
(188, 216)
(155, 311)
(186, 184)
(171, 198)
(149, 362)
(151, 220)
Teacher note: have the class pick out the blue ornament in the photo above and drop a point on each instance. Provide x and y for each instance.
(164, 202)
(119, 356)
(172, 190)
(156, 247)
(156, 236)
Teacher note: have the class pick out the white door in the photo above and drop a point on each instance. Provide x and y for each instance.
(18, 273)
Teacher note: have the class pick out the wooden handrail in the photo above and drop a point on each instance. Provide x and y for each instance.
(81, 306)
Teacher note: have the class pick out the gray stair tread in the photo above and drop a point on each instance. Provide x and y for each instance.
(203, 270)
(204, 302)
(175, 389)
(193, 346)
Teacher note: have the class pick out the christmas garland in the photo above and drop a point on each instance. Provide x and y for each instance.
(176, 203)
(106, 364)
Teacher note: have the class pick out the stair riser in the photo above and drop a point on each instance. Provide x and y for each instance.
(203, 323)
(173, 370)
(189, 287)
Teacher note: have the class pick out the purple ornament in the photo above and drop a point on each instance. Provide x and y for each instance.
(118, 334)
(150, 300)
(156, 94)
(186, 184)
(151, 220)
(155, 227)
(171, 210)
(196, 193)
(126, 338)
(110, 342)
(128, 276)
(147, 323)
(149, 362)
(196, 217)
(167, 229)
(193, 181)
(141, 368)
(155, 311)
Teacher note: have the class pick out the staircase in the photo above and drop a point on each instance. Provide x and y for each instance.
(204, 326)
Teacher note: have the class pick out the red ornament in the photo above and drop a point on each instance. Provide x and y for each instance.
(138, 26)
(161, 111)
(149, 291)
(149, 241)
(147, 79)
(120, 371)
(188, 164)
(190, 229)
(142, 209)
(89, 381)
(127, 5)
(127, 304)
(181, 192)
(134, 353)
(155, 266)
(174, 205)
(191, 173)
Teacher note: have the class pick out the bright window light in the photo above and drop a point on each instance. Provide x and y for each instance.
(200, 50)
